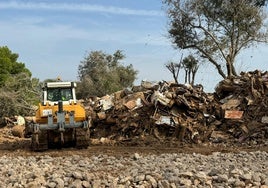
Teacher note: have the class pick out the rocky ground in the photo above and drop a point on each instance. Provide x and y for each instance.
(205, 165)
(156, 135)
(243, 169)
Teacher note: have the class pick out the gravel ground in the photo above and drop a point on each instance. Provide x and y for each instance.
(243, 169)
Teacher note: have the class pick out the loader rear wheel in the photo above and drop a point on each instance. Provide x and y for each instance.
(82, 138)
(39, 141)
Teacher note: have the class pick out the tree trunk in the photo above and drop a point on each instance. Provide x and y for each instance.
(230, 66)
(229, 70)
(193, 78)
(189, 77)
(175, 78)
(186, 76)
(233, 69)
(218, 66)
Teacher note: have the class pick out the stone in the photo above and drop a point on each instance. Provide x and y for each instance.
(139, 178)
(125, 179)
(96, 183)
(152, 181)
(236, 172)
(76, 184)
(173, 185)
(186, 174)
(85, 184)
(201, 176)
(265, 181)
(185, 182)
(77, 175)
(33, 185)
(245, 176)
(214, 172)
(231, 181)
(60, 182)
(51, 184)
(256, 177)
(163, 184)
(136, 156)
(239, 183)
(222, 178)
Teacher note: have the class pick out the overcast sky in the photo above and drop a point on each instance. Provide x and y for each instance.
(52, 37)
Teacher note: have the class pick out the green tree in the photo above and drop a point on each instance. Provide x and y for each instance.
(174, 68)
(190, 65)
(9, 65)
(102, 74)
(217, 30)
(19, 95)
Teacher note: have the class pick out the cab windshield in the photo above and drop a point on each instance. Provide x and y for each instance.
(57, 94)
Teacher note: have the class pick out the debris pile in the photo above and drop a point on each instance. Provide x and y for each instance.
(162, 110)
(152, 113)
(244, 101)
(236, 112)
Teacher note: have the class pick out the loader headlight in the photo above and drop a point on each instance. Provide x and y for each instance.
(46, 112)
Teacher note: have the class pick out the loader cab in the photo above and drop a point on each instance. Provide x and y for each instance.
(53, 92)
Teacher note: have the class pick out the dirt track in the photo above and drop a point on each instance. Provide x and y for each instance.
(13, 146)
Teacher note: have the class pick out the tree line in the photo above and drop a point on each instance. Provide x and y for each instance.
(99, 74)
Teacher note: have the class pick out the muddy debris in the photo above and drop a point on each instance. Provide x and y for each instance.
(236, 112)
(18, 131)
(244, 101)
(168, 113)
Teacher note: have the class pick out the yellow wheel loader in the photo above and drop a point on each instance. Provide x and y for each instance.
(60, 120)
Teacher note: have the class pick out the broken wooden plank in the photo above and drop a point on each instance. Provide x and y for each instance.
(133, 104)
(231, 104)
(233, 114)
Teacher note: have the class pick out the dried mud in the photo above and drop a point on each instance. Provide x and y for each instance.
(14, 146)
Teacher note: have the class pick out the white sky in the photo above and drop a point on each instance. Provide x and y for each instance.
(52, 37)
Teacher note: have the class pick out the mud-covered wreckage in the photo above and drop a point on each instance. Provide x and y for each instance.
(237, 110)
